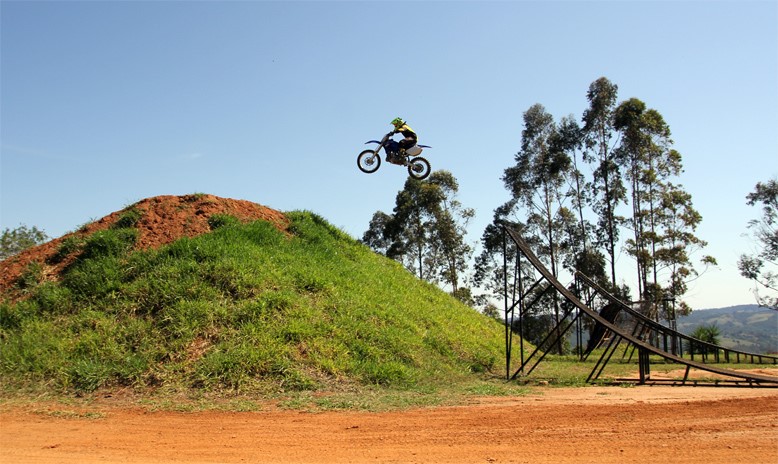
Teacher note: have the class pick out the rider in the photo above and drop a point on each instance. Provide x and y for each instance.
(403, 128)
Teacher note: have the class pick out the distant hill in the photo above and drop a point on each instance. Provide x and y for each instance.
(744, 327)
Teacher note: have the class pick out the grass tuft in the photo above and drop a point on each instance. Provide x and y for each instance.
(128, 219)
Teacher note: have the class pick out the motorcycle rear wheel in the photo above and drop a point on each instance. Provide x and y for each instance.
(368, 161)
(419, 168)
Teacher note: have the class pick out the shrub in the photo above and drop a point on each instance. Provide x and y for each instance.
(708, 333)
(222, 220)
(68, 246)
(109, 243)
(128, 219)
(31, 276)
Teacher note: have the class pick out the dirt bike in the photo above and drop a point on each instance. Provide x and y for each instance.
(418, 167)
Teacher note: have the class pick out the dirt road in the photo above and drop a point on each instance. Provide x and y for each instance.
(552, 425)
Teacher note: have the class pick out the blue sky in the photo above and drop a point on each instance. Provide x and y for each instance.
(103, 104)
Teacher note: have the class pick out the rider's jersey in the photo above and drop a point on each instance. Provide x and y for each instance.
(406, 130)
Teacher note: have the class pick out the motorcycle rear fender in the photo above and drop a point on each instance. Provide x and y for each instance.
(414, 150)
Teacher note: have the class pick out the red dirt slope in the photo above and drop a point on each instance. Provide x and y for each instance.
(164, 220)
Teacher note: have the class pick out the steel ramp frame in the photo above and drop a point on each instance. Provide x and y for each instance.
(645, 349)
(677, 339)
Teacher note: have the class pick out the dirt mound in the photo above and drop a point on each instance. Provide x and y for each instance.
(162, 220)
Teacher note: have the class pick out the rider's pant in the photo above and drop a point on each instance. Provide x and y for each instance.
(407, 143)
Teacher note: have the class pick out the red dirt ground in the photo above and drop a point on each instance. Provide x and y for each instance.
(551, 425)
(164, 220)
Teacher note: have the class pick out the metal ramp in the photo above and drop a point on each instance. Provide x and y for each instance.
(669, 339)
(577, 308)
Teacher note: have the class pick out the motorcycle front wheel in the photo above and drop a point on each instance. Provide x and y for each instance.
(419, 168)
(368, 161)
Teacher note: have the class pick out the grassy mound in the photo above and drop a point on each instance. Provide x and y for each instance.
(244, 308)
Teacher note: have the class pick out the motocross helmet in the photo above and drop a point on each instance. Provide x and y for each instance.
(397, 122)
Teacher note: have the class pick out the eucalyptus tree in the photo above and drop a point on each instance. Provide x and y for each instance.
(409, 230)
(538, 183)
(451, 251)
(496, 251)
(583, 256)
(607, 187)
(403, 235)
(663, 218)
(426, 231)
(762, 266)
(678, 220)
(14, 241)
(375, 236)
(645, 138)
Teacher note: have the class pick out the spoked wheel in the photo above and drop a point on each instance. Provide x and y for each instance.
(419, 168)
(369, 161)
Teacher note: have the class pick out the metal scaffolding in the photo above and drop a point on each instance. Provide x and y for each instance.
(646, 337)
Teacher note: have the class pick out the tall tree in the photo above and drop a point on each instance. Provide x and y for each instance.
(426, 231)
(639, 152)
(663, 219)
(537, 181)
(607, 187)
(450, 228)
(496, 251)
(569, 139)
(762, 266)
(410, 229)
(677, 243)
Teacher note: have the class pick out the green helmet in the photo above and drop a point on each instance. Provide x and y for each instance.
(397, 122)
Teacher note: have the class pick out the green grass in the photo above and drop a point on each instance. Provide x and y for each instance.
(568, 370)
(129, 218)
(244, 310)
